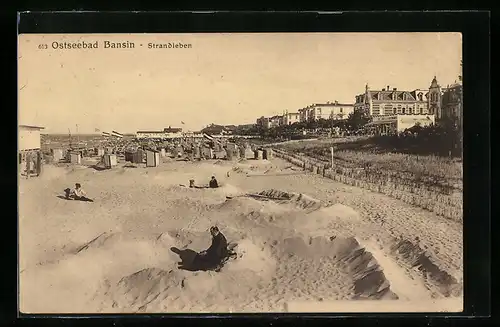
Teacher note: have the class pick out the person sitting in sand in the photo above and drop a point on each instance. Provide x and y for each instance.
(77, 194)
(213, 183)
(217, 251)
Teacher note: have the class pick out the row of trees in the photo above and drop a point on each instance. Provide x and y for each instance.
(354, 122)
(441, 139)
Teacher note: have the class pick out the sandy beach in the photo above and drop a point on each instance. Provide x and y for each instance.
(322, 242)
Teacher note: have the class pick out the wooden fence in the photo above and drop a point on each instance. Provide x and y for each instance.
(412, 192)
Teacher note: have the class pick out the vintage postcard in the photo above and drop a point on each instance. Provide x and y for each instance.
(273, 172)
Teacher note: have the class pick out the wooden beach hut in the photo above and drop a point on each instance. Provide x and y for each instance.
(57, 154)
(110, 160)
(267, 154)
(75, 158)
(258, 154)
(152, 158)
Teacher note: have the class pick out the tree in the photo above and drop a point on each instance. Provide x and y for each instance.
(356, 120)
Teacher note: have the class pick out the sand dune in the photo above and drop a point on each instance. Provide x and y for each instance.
(114, 255)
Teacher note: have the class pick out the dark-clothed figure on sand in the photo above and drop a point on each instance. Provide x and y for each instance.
(213, 183)
(217, 251)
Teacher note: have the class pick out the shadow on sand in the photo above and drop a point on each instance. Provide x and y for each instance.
(71, 199)
(98, 167)
(190, 260)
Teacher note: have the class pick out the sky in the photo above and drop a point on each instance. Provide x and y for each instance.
(222, 78)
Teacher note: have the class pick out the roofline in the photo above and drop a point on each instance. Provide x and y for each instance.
(31, 126)
(332, 104)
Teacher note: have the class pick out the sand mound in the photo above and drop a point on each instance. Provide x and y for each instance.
(369, 279)
(298, 199)
(285, 249)
(366, 277)
(327, 220)
(230, 190)
(159, 289)
(51, 172)
(253, 257)
(248, 209)
(134, 292)
(100, 241)
(418, 259)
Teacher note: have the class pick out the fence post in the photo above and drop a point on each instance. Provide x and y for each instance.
(331, 154)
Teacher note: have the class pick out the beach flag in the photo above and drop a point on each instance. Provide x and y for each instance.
(106, 134)
(116, 134)
(208, 137)
(182, 123)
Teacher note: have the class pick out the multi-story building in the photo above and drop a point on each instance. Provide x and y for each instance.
(275, 121)
(452, 107)
(304, 114)
(451, 103)
(434, 98)
(290, 118)
(389, 101)
(270, 122)
(263, 122)
(329, 110)
(437, 101)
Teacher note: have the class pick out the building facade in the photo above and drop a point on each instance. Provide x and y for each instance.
(434, 98)
(29, 142)
(304, 114)
(29, 138)
(436, 101)
(389, 101)
(391, 124)
(172, 130)
(451, 103)
(329, 110)
(290, 118)
(263, 122)
(275, 121)
(141, 135)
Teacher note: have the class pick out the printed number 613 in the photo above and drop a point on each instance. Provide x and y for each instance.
(43, 46)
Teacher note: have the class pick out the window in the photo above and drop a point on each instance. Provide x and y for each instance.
(341, 110)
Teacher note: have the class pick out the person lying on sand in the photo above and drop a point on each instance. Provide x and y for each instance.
(213, 183)
(217, 251)
(77, 194)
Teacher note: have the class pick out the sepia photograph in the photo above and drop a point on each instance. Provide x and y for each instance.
(240, 173)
